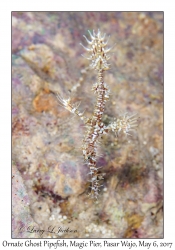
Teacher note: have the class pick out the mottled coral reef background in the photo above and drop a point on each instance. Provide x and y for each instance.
(49, 177)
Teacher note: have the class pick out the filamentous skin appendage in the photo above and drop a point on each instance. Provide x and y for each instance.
(98, 57)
